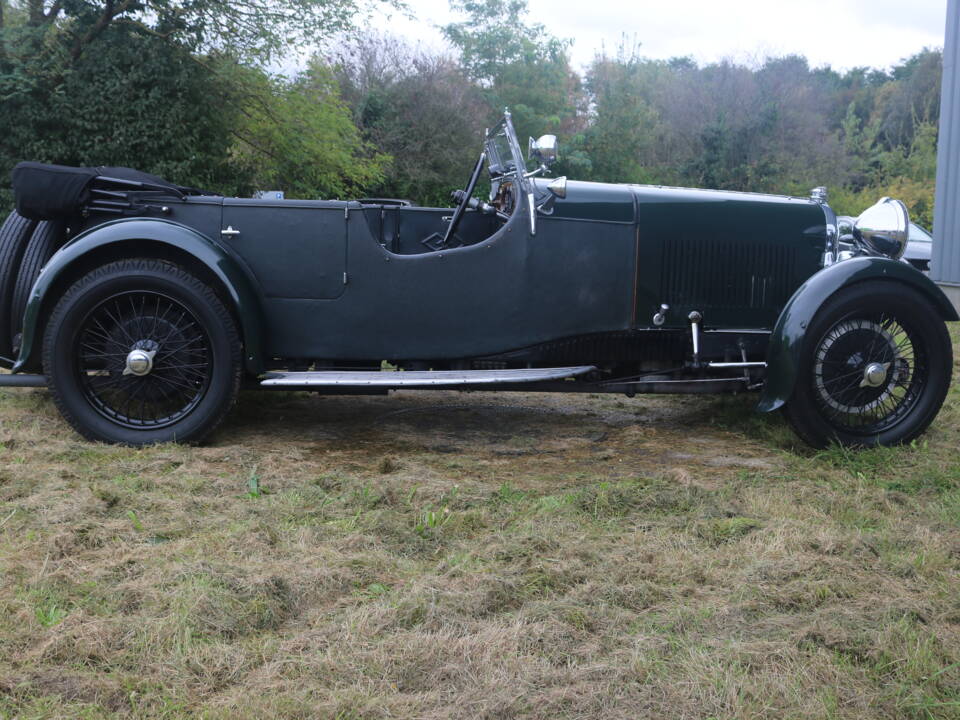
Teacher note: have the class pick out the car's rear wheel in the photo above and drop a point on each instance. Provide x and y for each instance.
(14, 235)
(140, 352)
(874, 370)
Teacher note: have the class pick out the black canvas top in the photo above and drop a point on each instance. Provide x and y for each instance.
(130, 175)
(50, 192)
(58, 192)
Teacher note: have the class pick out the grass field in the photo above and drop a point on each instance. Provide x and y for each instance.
(478, 555)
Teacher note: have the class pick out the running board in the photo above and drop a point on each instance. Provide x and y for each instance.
(419, 378)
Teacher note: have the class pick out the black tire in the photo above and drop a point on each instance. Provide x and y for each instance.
(45, 240)
(14, 236)
(193, 374)
(889, 328)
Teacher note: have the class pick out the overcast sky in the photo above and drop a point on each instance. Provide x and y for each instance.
(840, 33)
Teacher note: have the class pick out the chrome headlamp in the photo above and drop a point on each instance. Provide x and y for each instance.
(883, 229)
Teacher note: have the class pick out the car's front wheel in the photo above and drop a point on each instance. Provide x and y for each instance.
(874, 370)
(140, 352)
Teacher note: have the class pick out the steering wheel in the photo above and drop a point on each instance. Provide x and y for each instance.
(464, 199)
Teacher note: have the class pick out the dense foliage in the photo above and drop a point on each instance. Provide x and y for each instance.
(179, 88)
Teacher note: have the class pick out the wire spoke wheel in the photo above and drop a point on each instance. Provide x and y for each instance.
(869, 372)
(874, 369)
(141, 351)
(143, 360)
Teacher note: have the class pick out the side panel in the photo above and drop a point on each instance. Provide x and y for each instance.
(295, 248)
(783, 353)
(604, 202)
(735, 257)
(509, 291)
(226, 268)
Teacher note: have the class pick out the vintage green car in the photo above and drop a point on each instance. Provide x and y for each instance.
(145, 306)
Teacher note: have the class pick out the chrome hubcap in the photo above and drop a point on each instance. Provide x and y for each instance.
(139, 362)
(874, 374)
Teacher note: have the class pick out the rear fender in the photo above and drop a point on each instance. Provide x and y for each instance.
(783, 352)
(125, 238)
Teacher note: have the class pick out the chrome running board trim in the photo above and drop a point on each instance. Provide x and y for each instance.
(744, 364)
(419, 378)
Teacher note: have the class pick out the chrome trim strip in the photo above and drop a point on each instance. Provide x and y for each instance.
(736, 364)
(694, 381)
(420, 378)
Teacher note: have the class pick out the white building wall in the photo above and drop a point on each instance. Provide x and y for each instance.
(945, 261)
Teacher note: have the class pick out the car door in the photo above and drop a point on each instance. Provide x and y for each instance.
(295, 248)
(510, 291)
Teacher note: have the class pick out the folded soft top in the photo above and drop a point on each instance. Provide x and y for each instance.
(59, 192)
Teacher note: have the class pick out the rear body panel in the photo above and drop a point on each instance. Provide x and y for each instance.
(141, 237)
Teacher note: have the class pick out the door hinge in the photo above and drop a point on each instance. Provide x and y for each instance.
(345, 277)
(346, 213)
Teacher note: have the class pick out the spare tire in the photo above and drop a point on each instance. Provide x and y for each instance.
(45, 240)
(14, 235)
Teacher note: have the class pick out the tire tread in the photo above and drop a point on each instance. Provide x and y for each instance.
(46, 238)
(15, 233)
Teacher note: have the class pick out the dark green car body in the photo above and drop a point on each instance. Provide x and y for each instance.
(351, 282)
(144, 306)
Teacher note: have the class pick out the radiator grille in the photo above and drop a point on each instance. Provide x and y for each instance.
(710, 273)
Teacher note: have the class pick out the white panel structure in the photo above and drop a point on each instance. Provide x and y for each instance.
(945, 260)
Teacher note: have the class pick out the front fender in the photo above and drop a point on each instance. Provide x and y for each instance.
(227, 269)
(783, 352)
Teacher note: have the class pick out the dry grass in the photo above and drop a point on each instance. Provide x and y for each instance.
(442, 555)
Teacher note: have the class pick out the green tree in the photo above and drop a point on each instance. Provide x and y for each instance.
(298, 135)
(419, 108)
(151, 83)
(138, 101)
(894, 146)
(260, 30)
(912, 98)
(518, 64)
(624, 132)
